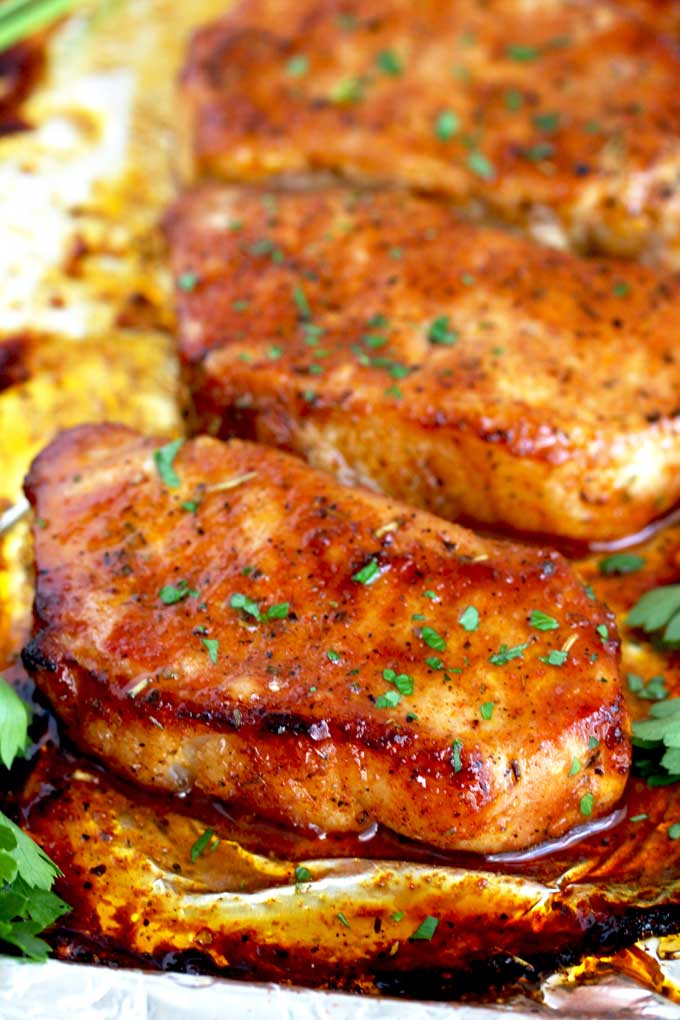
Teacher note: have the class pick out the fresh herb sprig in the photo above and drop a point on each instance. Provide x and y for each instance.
(21, 18)
(27, 905)
(656, 744)
(658, 612)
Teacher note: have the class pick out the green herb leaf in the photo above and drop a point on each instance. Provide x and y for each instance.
(425, 930)
(522, 54)
(654, 690)
(349, 90)
(397, 916)
(170, 594)
(446, 125)
(674, 831)
(541, 620)
(389, 62)
(456, 748)
(555, 657)
(432, 639)
(620, 563)
(390, 699)
(603, 631)
(164, 460)
(297, 66)
(187, 281)
(367, 573)
(402, 681)
(504, 655)
(575, 767)
(302, 874)
(586, 805)
(487, 709)
(202, 844)
(213, 645)
(481, 166)
(441, 333)
(469, 619)
(343, 920)
(14, 721)
(656, 610)
(300, 299)
(278, 612)
(434, 662)
(333, 656)
(248, 605)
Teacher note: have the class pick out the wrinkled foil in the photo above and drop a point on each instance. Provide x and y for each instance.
(61, 991)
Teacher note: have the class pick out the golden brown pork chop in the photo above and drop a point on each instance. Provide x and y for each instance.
(247, 626)
(459, 368)
(562, 116)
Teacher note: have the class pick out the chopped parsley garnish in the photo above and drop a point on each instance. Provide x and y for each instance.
(430, 595)
(593, 742)
(639, 818)
(621, 289)
(333, 656)
(248, 605)
(603, 631)
(513, 100)
(654, 690)
(390, 699)
(575, 767)
(394, 391)
(213, 645)
(297, 66)
(300, 299)
(481, 166)
(469, 618)
(187, 281)
(278, 611)
(397, 916)
(164, 459)
(541, 620)
(674, 831)
(191, 505)
(620, 563)
(586, 805)
(202, 843)
(434, 662)
(548, 122)
(27, 905)
(540, 151)
(368, 573)
(402, 681)
(275, 352)
(170, 594)
(487, 709)
(555, 657)
(389, 62)
(302, 874)
(456, 748)
(441, 333)
(447, 125)
(658, 610)
(343, 920)
(522, 54)
(425, 930)
(349, 90)
(432, 639)
(504, 655)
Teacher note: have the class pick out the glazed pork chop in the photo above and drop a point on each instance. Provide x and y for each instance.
(221, 616)
(561, 116)
(459, 368)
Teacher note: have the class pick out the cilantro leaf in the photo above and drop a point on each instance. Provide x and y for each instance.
(14, 720)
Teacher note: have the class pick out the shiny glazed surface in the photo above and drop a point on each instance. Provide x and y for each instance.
(292, 708)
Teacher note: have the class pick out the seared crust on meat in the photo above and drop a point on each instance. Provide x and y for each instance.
(561, 116)
(459, 368)
(343, 685)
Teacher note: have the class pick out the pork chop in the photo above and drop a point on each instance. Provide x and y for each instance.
(561, 116)
(221, 616)
(456, 367)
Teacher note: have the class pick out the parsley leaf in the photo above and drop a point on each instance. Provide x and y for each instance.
(541, 620)
(278, 612)
(425, 929)
(389, 62)
(14, 720)
(469, 618)
(368, 573)
(586, 805)
(658, 610)
(555, 657)
(302, 874)
(620, 563)
(212, 645)
(432, 639)
(169, 594)
(486, 709)
(504, 654)
(456, 748)
(248, 605)
(204, 840)
(390, 699)
(164, 460)
(656, 744)
(654, 690)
